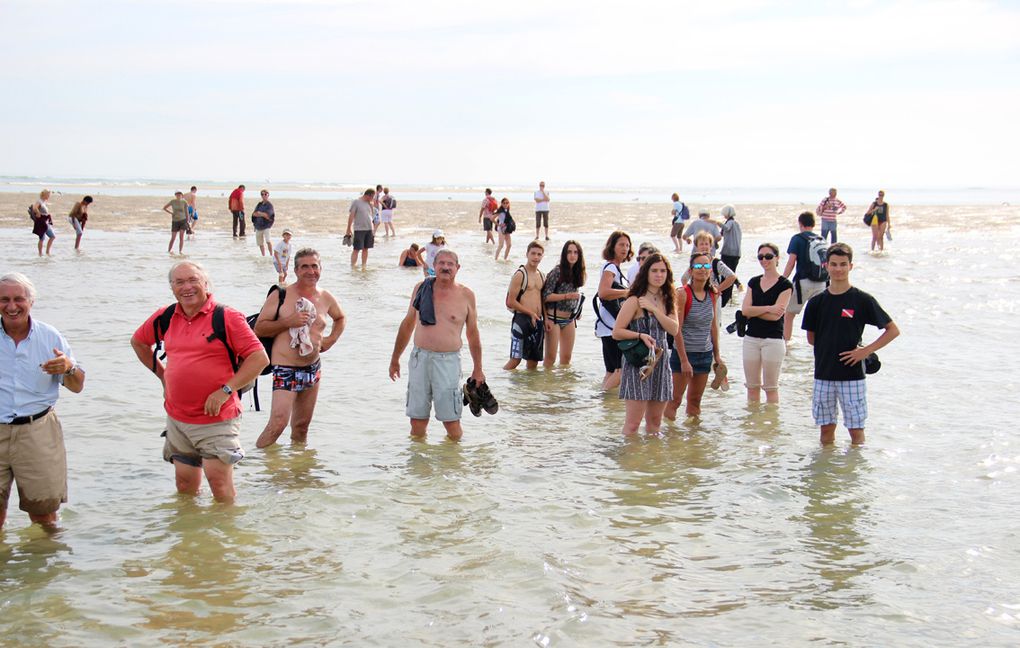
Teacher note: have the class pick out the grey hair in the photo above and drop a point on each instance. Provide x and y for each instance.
(728, 211)
(194, 264)
(19, 279)
(647, 248)
(443, 251)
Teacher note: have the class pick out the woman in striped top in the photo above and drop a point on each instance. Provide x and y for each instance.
(697, 346)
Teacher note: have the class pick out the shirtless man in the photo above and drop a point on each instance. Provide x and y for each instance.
(524, 298)
(437, 320)
(192, 199)
(296, 365)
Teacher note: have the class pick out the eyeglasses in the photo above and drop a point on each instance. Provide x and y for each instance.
(641, 258)
(701, 266)
(766, 257)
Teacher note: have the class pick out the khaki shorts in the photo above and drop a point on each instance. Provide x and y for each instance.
(32, 455)
(261, 236)
(190, 443)
(808, 289)
(434, 377)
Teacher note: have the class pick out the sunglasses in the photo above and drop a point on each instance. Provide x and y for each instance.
(701, 266)
(766, 257)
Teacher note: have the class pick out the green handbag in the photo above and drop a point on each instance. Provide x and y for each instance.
(634, 350)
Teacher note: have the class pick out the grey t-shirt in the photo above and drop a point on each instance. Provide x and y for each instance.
(702, 225)
(731, 238)
(363, 213)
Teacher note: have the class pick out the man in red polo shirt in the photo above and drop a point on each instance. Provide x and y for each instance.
(236, 206)
(199, 382)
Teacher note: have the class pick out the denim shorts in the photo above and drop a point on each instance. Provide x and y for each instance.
(700, 360)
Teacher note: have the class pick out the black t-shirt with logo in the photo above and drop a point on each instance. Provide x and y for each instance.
(838, 322)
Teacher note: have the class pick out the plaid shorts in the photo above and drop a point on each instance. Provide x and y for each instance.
(852, 396)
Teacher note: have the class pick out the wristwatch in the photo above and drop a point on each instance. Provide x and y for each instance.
(72, 368)
(227, 390)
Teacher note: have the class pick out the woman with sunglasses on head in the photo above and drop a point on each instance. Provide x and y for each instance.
(764, 307)
(563, 301)
(697, 347)
(648, 315)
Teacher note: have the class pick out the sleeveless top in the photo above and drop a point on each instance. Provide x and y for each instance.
(697, 326)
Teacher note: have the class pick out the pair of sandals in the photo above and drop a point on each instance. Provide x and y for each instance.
(477, 397)
(653, 359)
(719, 380)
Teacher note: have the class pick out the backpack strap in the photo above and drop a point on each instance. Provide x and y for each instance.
(219, 332)
(524, 281)
(160, 325)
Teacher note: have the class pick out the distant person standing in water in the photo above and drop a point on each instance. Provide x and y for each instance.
(730, 252)
(878, 213)
(236, 205)
(36, 361)
(262, 219)
(505, 227)
(828, 210)
(192, 199)
(680, 215)
(42, 222)
(388, 204)
(178, 210)
(487, 215)
(835, 321)
(542, 210)
(359, 227)
(78, 217)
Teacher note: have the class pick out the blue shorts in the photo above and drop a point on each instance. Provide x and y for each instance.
(852, 397)
(700, 360)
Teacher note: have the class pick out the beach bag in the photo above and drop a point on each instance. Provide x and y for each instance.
(868, 218)
(635, 350)
(509, 224)
(818, 253)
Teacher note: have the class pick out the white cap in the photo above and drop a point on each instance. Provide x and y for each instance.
(437, 233)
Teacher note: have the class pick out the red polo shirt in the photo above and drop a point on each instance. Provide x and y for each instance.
(195, 366)
(236, 201)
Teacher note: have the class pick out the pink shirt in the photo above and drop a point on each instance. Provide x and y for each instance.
(195, 366)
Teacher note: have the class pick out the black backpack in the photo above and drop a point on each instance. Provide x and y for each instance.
(267, 342)
(509, 224)
(161, 324)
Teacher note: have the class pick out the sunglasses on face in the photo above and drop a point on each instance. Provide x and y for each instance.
(701, 266)
(766, 257)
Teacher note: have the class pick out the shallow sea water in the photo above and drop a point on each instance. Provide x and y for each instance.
(543, 526)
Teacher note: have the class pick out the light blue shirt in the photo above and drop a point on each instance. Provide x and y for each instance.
(26, 389)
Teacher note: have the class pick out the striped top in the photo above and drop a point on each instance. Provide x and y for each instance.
(829, 208)
(697, 325)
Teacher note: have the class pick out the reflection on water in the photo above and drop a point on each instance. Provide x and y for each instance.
(543, 524)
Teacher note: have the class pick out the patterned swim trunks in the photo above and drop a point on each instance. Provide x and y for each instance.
(296, 379)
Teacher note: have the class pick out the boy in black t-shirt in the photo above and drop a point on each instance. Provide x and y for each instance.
(834, 321)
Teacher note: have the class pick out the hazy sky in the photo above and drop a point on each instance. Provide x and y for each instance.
(743, 93)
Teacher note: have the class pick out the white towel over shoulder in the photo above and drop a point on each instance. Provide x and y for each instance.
(301, 336)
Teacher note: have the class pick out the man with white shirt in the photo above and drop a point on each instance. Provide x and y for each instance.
(542, 210)
(36, 361)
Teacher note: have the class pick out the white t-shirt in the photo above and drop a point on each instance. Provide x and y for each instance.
(543, 205)
(431, 250)
(605, 330)
(283, 251)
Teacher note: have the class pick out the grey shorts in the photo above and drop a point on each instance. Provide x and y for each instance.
(363, 240)
(808, 289)
(190, 443)
(434, 378)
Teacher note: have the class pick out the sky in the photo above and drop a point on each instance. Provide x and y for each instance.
(743, 93)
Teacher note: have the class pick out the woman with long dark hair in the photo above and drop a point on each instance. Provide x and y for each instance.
(697, 346)
(563, 301)
(611, 293)
(648, 315)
